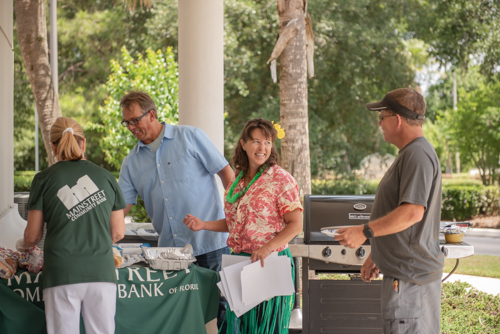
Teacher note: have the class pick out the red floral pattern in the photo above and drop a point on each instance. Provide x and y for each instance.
(257, 217)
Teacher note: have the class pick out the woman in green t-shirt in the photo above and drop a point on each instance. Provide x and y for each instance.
(82, 206)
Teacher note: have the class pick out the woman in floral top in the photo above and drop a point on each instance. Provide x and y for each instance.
(263, 213)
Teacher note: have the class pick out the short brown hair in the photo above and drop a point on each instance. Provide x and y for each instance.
(68, 143)
(240, 158)
(141, 98)
(412, 100)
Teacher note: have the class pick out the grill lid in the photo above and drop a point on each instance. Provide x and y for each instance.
(329, 212)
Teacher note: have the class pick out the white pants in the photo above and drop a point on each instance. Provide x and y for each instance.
(96, 301)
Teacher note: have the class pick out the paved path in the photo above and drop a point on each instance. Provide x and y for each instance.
(484, 232)
(485, 284)
(484, 245)
(485, 242)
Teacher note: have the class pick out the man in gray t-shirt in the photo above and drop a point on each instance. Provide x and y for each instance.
(404, 223)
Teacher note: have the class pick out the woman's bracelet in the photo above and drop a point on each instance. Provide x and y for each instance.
(268, 249)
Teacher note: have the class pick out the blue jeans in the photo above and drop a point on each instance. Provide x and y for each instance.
(213, 261)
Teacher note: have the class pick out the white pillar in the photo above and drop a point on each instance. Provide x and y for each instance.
(7, 110)
(11, 224)
(201, 67)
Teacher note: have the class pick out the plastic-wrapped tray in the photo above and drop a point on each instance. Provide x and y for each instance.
(169, 258)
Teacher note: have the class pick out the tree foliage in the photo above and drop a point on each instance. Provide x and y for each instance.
(363, 49)
(474, 128)
(90, 34)
(357, 60)
(24, 118)
(31, 26)
(248, 89)
(156, 74)
(460, 32)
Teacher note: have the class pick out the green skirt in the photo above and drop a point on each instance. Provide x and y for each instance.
(272, 316)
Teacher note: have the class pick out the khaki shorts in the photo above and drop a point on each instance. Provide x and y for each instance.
(409, 308)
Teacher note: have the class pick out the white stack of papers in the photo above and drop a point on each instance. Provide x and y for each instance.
(246, 284)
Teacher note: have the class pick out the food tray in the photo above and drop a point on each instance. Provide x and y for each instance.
(169, 264)
(454, 238)
(454, 232)
(169, 258)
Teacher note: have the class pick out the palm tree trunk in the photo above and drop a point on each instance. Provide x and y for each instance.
(293, 96)
(32, 36)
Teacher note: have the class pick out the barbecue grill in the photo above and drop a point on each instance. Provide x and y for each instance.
(340, 306)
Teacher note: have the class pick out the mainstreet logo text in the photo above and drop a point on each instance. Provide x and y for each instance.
(87, 205)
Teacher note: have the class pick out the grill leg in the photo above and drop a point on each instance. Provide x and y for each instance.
(305, 295)
(296, 318)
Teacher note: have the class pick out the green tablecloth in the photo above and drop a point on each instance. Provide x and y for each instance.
(148, 301)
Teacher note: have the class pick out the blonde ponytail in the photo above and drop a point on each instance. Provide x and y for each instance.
(68, 136)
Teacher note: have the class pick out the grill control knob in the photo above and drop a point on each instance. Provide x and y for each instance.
(343, 251)
(327, 252)
(360, 253)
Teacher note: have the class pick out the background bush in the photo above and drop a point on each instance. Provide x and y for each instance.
(461, 201)
(22, 180)
(343, 185)
(464, 202)
(155, 73)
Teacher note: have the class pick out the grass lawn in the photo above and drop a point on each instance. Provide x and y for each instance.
(465, 309)
(477, 265)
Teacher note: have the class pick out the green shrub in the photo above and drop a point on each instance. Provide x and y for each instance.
(490, 201)
(460, 202)
(462, 182)
(462, 199)
(138, 212)
(343, 185)
(464, 202)
(22, 180)
(155, 73)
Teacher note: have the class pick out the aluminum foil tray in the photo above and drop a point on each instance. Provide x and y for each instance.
(169, 258)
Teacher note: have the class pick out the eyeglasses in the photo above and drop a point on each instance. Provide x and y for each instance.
(381, 118)
(133, 121)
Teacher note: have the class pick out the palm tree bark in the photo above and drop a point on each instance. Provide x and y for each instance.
(32, 36)
(293, 95)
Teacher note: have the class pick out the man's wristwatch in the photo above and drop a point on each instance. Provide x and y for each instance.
(367, 231)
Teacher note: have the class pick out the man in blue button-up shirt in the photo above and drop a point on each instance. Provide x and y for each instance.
(173, 169)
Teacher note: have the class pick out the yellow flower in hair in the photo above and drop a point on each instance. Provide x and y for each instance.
(281, 132)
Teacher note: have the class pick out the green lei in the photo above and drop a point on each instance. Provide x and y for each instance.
(232, 198)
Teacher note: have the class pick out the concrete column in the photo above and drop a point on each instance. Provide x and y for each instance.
(201, 67)
(7, 110)
(11, 224)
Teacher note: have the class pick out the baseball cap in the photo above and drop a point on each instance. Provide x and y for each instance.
(389, 103)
